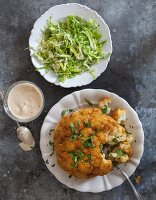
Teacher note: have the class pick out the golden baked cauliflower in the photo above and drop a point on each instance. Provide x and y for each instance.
(80, 137)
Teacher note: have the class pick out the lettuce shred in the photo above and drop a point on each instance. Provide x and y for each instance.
(70, 47)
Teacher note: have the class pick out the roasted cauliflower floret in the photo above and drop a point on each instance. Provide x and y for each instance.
(116, 136)
(120, 115)
(129, 138)
(102, 137)
(121, 153)
(104, 105)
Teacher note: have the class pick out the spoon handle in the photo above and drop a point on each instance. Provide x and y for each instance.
(18, 124)
(137, 194)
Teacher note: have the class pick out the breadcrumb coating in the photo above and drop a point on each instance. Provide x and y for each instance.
(79, 139)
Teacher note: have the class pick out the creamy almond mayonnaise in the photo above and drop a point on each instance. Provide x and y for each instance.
(25, 101)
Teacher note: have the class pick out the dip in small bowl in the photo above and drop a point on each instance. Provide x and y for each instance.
(23, 101)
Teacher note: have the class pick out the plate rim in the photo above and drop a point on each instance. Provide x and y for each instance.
(142, 144)
(109, 36)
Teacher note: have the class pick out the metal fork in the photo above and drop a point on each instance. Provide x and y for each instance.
(137, 194)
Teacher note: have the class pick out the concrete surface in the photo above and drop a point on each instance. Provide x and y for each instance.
(131, 74)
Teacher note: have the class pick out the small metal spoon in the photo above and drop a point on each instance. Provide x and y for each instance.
(137, 194)
(24, 131)
(25, 135)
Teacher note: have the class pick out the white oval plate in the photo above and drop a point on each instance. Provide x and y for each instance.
(59, 12)
(75, 101)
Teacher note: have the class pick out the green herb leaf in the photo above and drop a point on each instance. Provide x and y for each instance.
(79, 134)
(119, 152)
(89, 156)
(89, 102)
(74, 164)
(128, 133)
(72, 127)
(51, 131)
(81, 154)
(73, 137)
(104, 109)
(47, 161)
(88, 142)
(87, 124)
(78, 122)
(75, 134)
(115, 139)
(51, 154)
(65, 112)
(50, 143)
(96, 131)
(101, 147)
(76, 156)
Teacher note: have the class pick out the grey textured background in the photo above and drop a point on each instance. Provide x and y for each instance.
(131, 74)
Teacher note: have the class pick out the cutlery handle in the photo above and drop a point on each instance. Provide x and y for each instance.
(137, 194)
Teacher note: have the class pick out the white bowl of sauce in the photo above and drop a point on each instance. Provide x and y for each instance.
(23, 101)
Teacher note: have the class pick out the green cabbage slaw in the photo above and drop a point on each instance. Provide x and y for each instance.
(70, 47)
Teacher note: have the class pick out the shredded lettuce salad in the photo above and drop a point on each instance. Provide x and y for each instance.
(70, 47)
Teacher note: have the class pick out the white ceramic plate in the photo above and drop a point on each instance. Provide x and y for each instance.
(57, 13)
(75, 101)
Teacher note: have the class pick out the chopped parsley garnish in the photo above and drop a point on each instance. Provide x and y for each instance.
(89, 156)
(51, 154)
(89, 102)
(73, 137)
(76, 156)
(51, 131)
(123, 125)
(116, 139)
(101, 147)
(53, 165)
(72, 127)
(87, 124)
(50, 143)
(74, 164)
(75, 134)
(104, 109)
(128, 133)
(119, 152)
(96, 131)
(78, 122)
(87, 142)
(66, 112)
(47, 161)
